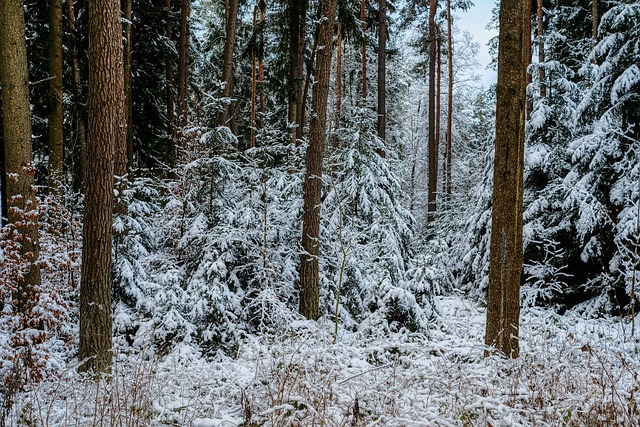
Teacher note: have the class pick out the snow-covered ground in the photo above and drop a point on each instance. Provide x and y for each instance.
(572, 372)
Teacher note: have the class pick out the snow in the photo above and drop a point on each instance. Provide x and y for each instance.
(572, 370)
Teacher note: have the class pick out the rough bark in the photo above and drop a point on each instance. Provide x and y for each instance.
(309, 283)
(363, 23)
(231, 18)
(80, 128)
(106, 133)
(528, 53)
(183, 62)
(128, 78)
(171, 125)
(382, 72)
(594, 21)
(541, 59)
(433, 155)
(16, 124)
(505, 261)
(294, 81)
(302, 93)
(448, 151)
(56, 145)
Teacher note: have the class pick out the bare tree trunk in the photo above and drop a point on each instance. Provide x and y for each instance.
(80, 127)
(541, 59)
(382, 70)
(263, 11)
(56, 144)
(528, 52)
(106, 133)
(252, 139)
(338, 111)
(363, 20)
(302, 87)
(594, 22)
(294, 39)
(309, 275)
(449, 99)
(16, 122)
(128, 79)
(433, 155)
(231, 18)
(183, 63)
(171, 125)
(438, 94)
(505, 260)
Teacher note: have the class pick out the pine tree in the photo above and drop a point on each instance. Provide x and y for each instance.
(106, 132)
(503, 305)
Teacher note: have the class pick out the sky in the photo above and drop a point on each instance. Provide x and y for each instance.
(475, 21)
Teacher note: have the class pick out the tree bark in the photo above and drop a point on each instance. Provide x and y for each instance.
(433, 155)
(505, 260)
(294, 81)
(56, 144)
(78, 113)
(541, 59)
(171, 124)
(594, 21)
(128, 79)
(302, 88)
(528, 53)
(231, 18)
(363, 23)
(16, 123)
(448, 151)
(382, 72)
(309, 275)
(183, 63)
(106, 133)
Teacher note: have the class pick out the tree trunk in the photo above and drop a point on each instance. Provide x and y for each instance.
(78, 113)
(231, 18)
(294, 83)
(56, 144)
(594, 21)
(382, 70)
(438, 94)
(309, 286)
(302, 91)
(183, 63)
(263, 11)
(363, 23)
(433, 155)
(338, 111)
(252, 120)
(449, 99)
(128, 79)
(505, 260)
(171, 125)
(106, 133)
(541, 59)
(16, 121)
(528, 53)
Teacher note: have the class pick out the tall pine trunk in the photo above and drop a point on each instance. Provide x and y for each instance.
(449, 136)
(171, 121)
(56, 144)
(505, 259)
(231, 17)
(183, 63)
(106, 134)
(309, 274)
(80, 129)
(382, 72)
(433, 155)
(16, 123)
(128, 78)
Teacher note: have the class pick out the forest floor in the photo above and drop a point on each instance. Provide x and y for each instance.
(571, 371)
